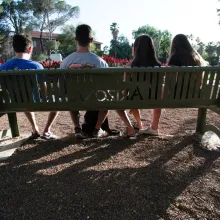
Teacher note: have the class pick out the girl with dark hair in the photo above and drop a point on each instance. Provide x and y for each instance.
(145, 56)
(182, 54)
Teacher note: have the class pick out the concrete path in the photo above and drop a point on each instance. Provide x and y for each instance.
(9, 145)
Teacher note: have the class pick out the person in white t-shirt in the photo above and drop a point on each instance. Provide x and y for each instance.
(84, 57)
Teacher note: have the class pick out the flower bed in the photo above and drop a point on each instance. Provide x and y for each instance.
(49, 63)
(114, 62)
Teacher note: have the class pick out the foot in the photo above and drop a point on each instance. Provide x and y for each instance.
(34, 135)
(49, 136)
(149, 131)
(99, 133)
(79, 134)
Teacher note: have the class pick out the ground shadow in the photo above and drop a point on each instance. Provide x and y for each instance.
(87, 183)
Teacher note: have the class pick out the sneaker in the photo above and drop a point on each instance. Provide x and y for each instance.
(79, 134)
(99, 133)
(149, 131)
(49, 136)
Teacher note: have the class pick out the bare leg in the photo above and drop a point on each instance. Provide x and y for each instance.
(136, 114)
(31, 118)
(156, 119)
(101, 118)
(51, 117)
(75, 118)
(124, 117)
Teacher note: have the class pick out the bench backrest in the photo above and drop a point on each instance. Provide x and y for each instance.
(89, 89)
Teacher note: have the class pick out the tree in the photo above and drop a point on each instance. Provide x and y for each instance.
(67, 41)
(16, 15)
(210, 50)
(162, 39)
(55, 13)
(114, 28)
(50, 14)
(123, 48)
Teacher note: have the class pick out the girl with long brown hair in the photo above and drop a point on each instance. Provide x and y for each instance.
(145, 56)
(182, 54)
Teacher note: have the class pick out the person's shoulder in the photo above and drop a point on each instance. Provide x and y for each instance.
(35, 64)
(5, 65)
(102, 62)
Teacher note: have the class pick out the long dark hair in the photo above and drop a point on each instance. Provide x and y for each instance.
(144, 52)
(182, 53)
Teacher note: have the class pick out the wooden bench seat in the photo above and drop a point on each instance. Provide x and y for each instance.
(105, 88)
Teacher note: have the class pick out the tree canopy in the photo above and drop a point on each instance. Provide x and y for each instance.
(123, 48)
(161, 38)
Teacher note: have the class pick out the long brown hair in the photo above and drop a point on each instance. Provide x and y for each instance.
(144, 52)
(183, 54)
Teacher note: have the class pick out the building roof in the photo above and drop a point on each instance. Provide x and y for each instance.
(97, 42)
(36, 34)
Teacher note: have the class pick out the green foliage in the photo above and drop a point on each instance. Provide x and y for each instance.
(52, 45)
(67, 41)
(123, 48)
(39, 57)
(114, 27)
(161, 38)
(54, 12)
(16, 14)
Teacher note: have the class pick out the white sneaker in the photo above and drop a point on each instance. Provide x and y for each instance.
(99, 133)
(149, 131)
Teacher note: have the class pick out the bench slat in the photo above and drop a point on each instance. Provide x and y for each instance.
(55, 89)
(35, 89)
(210, 85)
(154, 82)
(62, 85)
(204, 85)
(172, 91)
(22, 89)
(29, 89)
(49, 89)
(15, 88)
(41, 79)
(216, 86)
(167, 86)
(10, 89)
(198, 85)
(185, 85)
(4, 92)
(179, 87)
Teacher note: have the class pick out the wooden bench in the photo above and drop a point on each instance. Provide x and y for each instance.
(91, 89)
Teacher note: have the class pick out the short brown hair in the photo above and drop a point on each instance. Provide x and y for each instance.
(83, 35)
(21, 42)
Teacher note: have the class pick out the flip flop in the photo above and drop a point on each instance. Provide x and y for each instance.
(49, 136)
(34, 136)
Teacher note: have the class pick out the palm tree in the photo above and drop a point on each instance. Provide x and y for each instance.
(210, 50)
(114, 28)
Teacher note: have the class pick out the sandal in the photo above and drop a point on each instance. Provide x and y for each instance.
(34, 136)
(49, 136)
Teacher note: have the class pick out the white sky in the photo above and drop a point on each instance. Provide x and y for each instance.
(197, 17)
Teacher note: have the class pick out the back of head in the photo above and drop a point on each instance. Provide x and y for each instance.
(181, 44)
(144, 52)
(83, 35)
(21, 43)
(182, 53)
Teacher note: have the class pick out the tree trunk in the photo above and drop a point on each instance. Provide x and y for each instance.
(41, 41)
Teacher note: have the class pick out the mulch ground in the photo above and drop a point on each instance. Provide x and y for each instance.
(167, 177)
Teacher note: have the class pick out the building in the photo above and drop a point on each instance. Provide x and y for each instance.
(36, 40)
(45, 35)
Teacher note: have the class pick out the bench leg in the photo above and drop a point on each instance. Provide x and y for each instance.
(12, 118)
(201, 120)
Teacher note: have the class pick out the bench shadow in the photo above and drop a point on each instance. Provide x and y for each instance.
(88, 184)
